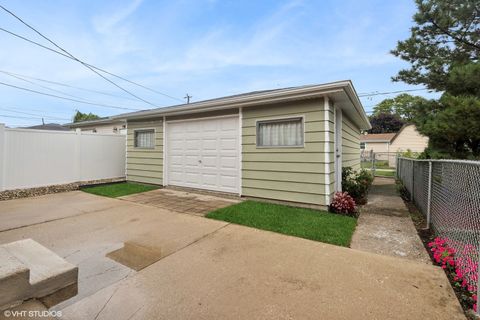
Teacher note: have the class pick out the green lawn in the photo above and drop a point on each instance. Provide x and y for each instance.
(119, 189)
(382, 164)
(384, 173)
(304, 223)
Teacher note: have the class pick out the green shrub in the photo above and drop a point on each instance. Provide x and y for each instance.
(402, 190)
(356, 183)
(410, 154)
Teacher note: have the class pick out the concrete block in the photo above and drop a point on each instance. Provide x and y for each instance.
(48, 273)
(14, 280)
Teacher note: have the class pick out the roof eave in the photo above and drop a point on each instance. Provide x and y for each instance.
(259, 99)
(91, 122)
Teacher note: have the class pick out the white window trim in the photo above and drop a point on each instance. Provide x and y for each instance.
(326, 121)
(280, 119)
(164, 152)
(145, 129)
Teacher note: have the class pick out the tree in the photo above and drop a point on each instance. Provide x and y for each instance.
(446, 35)
(453, 126)
(403, 105)
(443, 52)
(385, 123)
(79, 116)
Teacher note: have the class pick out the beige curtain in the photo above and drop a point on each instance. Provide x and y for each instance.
(281, 133)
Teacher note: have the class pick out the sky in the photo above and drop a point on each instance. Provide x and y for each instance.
(206, 48)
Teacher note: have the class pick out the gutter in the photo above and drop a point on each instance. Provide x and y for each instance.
(224, 104)
(281, 95)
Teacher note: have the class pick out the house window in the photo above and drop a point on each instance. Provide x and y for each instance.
(362, 145)
(144, 139)
(280, 133)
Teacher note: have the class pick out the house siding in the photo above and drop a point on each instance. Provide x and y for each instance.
(145, 165)
(295, 174)
(409, 139)
(350, 144)
(377, 146)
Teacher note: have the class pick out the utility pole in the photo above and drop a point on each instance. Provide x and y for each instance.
(188, 98)
(43, 121)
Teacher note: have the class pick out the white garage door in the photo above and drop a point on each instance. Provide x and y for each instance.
(204, 154)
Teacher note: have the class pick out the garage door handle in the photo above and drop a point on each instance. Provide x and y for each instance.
(199, 161)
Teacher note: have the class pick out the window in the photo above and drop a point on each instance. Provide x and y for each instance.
(280, 133)
(362, 145)
(144, 139)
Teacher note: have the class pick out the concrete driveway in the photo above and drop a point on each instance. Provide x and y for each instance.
(212, 270)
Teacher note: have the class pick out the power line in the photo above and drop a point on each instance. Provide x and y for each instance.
(75, 58)
(391, 92)
(64, 98)
(33, 114)
(19, 117)
(34, 110)
(41, 86)
(67, 85)
(45, 87)
(90, 65)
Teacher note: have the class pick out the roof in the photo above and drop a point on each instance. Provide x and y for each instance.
(49, 126)
(377, 137)
(401, 130)
(341, 92)
(86, 123)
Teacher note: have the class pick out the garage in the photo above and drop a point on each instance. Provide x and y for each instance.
(204, 153)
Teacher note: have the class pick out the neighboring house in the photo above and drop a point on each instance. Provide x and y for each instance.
(387, 145)
(104, 125)
(376, 142)
(408, 138)
(49, 126)
(287, 145)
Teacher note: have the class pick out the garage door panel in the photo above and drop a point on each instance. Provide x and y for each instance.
(210, 180)
(228, 182)
(210, 144)
(228, 144)
(210, 161)
(192, 145)
(215, 142)
(228, 163)
(191, 160)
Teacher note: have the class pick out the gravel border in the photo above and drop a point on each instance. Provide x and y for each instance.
(38, 191)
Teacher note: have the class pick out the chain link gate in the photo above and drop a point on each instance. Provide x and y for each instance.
(447, 193)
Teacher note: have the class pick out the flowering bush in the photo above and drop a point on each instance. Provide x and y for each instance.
(343, 203)
(356, 183)
(462, 265)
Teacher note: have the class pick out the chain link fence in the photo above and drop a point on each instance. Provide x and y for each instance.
(379, 163)
(447, 192)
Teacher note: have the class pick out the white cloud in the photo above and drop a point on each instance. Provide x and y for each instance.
(259, 45)
(106, 22)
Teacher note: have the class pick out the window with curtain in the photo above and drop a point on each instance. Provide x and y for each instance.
(280, 133)
(145, 139)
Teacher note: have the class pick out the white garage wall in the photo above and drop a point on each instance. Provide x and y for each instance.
(34, 158)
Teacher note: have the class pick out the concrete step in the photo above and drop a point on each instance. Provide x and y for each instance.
(48, 275)
(14, 279)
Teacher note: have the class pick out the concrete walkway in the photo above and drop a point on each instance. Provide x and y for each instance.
(385, 226)
(213, 270)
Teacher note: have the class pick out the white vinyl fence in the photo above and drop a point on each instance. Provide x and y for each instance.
(447, 192)
(34, 158)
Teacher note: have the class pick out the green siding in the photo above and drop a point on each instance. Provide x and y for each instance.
(145, 165)
(350, 144)
(288, 174)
